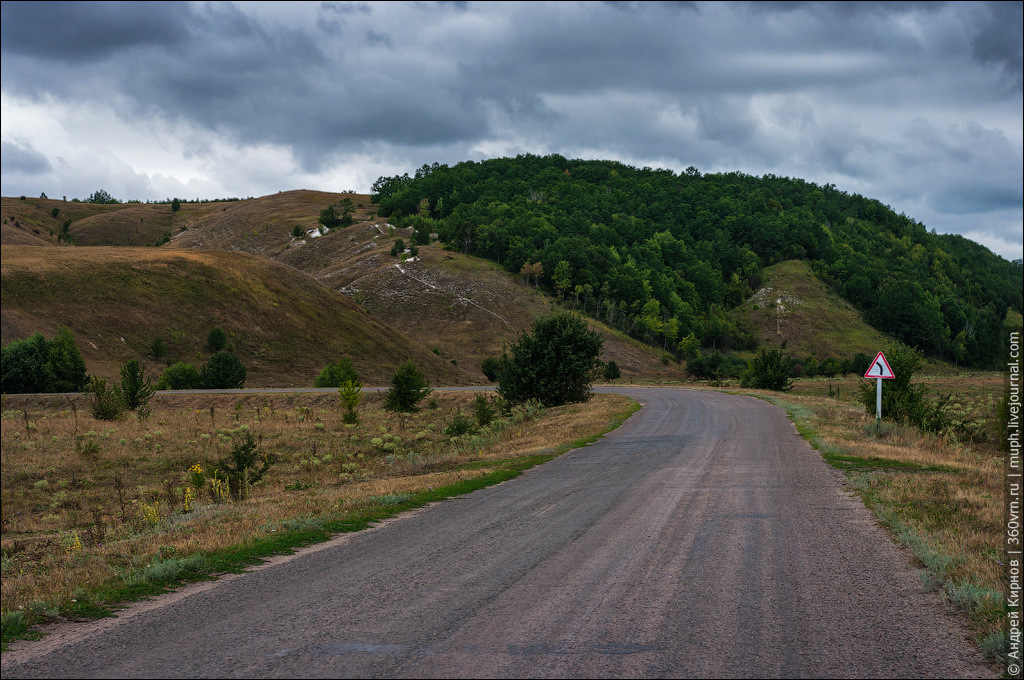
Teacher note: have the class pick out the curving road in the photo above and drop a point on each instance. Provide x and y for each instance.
(703, 538)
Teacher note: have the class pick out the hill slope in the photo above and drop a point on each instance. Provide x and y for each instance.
(284, 326)
(463, 306)
(664, 254)
(795, 309)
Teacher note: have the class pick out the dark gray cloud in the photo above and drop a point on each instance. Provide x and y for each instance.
(917, 104)
(22, 159)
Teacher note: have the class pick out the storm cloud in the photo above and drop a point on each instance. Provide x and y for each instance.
(918, 105)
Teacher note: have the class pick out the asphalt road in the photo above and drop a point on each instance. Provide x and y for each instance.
(703, 538)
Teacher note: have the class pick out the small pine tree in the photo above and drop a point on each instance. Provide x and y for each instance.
(408, 388)
(136, 388)
(350, 392)
(398, 248)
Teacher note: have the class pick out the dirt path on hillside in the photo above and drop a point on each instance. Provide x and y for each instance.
(703, 538)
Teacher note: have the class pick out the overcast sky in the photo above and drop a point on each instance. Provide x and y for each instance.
(918, 105)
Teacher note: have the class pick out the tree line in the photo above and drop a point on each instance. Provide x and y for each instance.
(665, 256)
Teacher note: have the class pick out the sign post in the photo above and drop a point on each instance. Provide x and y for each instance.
(879, 370)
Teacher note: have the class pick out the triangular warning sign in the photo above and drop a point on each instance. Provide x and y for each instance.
(880, 368)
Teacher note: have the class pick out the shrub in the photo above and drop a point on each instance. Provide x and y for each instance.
(158, 348)
(350, 392)
(334, 375)
(483, 410)
(107, 404)
(459, 425)
(216, 340)
(408, 388)
(36, 364)
(490, 367)
(769, 370)
(902, 402)
(136, 388)
(554, 364)
(223, 371)
(611, 371)
(398, 248)
(298, 232)
(179, 376)
(245, 465)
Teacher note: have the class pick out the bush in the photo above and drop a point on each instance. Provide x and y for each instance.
(36, 364)
(223, 371)
(216, 340)
(769, 370)
(490, 367)
(408, 388)
(334, 375)
(860, 364)
(298, 232)
(459, 425)
(246, 465)
(179, 376)
(554, 364)
(398, 248)
(158, 348)
(107, 404)
(136, 388)
(611, 371)
(483, 410)
(902, 402)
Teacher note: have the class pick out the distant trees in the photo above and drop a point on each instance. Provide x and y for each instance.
(102, 197)
(668, 255)
(555, 363)
(36, 364)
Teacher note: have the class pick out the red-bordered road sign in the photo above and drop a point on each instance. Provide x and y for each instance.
(880, 368)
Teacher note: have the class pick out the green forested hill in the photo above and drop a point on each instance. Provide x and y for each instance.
(664, 256)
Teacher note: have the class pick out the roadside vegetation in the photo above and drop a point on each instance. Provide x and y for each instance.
(939, 493)
(96, 512)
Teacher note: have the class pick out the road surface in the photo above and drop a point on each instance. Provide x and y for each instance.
(703, 538)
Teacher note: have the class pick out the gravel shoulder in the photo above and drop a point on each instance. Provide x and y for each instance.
(703, 538)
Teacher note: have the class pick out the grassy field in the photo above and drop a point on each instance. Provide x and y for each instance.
(96, 512)
(939, 495)
(284, 326)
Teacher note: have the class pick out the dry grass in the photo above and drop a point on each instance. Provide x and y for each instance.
(940, 496)
(284, 326)
(87, 503)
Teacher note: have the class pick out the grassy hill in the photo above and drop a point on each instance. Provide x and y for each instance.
(794, 310)
(464, 307)
(284, 326)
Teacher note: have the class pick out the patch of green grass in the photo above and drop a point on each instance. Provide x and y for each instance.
(850, 463)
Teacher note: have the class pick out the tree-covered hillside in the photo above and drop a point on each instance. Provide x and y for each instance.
(664, 256)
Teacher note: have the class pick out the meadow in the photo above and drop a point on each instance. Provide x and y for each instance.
(99, 512)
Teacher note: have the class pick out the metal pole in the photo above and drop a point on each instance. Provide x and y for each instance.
(878, 401)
